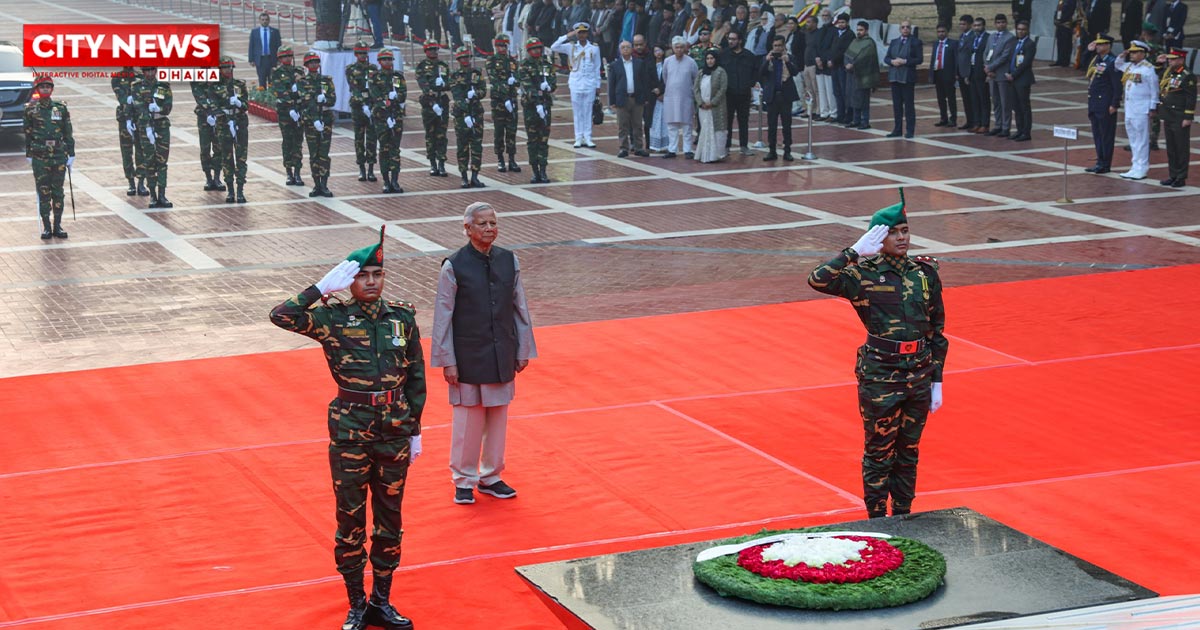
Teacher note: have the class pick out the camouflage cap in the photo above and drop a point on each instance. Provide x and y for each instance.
(310, 57)
(386, 55)
(286, 51)
(43, 79)
(705, 27)
(361, 47)
(462, 51)
(533, 42)
(890, 216)
(226, 61)
(431, 45)
(371, 255)
(501, 38)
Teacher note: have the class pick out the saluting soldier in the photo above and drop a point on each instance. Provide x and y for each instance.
(468, 86)
(502, 69)
(122, 87)
(1141, 100)
(433, 77)
(702, 45)
(152, 108)
(899, 368)
(207, 134)
(232, 128)
(374, 353)
(1177, 110)
(285, 84)
(50, 149)
(538, 80)
(359, 76)
(388, 92)
(1104, 99)
(317, 97)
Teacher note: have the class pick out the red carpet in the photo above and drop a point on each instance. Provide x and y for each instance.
(194, 495)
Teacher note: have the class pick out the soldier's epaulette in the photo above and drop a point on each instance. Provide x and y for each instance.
(408, 306)
(929, 261)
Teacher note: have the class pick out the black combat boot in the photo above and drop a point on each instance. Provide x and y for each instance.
(387, 181)
(371, 172)
(163, 202)
(542, 172)
(291, 178)
(132, 188)
(58, 231)
(433, 167)
(316, 190)
(325, 192)
(501, 166)
(396, 184)
(380, 612)
(362, 172)
(209, 184)
(475, 183)
(466, 183)
(355, 619)
(229, 195)
(241, 198)
(299, 182)
(512, 163)
(217, 185)
(537, 175)
(442, 169)
(141, 187)
(153, 197)
(46, 231)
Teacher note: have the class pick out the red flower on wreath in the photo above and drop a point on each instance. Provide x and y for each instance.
(878, 558)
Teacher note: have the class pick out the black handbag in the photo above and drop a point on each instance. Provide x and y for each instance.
(597, 112)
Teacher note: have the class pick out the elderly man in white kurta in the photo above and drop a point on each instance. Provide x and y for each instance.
(482, 336)
(678, 75)
(584, 81)
(1141, 99)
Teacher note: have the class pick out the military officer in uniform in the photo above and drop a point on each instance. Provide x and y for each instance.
(467, 86)
(1177, 110)
(50, 149)
(374, 353)
(899, 368)
(388, 93)
(232, 125)
(122, 87)
(502, 69)
(1141, 99)
(1104, 99)
(285, 83)
(317, 97)
(207, 135)
(433, 77)
(538, 80)
(152, 108)
(359, 76)
(584, 80)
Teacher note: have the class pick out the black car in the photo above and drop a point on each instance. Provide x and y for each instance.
(16, 86)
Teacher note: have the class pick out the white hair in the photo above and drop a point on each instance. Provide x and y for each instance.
(474, 209)
(678, 40)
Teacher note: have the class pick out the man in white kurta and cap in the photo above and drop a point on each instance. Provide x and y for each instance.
(1141, 99)
(584, 81)
(482, 336)
(679, 106)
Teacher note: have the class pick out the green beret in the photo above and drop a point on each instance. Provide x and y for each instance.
(1149, 27)
(890, 216)
(371, 254)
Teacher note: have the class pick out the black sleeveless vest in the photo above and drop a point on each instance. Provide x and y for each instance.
(485, 325)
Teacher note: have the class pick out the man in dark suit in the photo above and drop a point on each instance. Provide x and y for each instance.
(997, 59)
(779, 90)
(1176, 17)
(981, 97)
(1104, 98)
(632, 82)
(962, 67)
(264, 44)
(834, 55)
(903, 56)
(1099, 15)
(945, 11)
(1131, 21)
(1064, 32)
(943, 74)
(741, 68)
(1020, 74)
(1022, 10)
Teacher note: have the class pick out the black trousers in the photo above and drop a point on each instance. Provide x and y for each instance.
(1063, 40)
(945, 98)
(1022, 108)
(648, 118)
(1178, 140)
(981, 99)
(1104, 135)
(777, 110)
(968, 109)
(903, 102)
(839, 94)
(737, 104)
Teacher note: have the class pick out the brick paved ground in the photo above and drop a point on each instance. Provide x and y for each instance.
(610, 238)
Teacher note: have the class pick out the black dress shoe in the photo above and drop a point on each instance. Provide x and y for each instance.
(669, 154)
(1102, 170)
(787, 156)
(642, 153)
(1093, 169)
(993, 132)
(1179, 183)
(941, 123)
(1154, 146)
(908, 136)
(771, 157)
(967, 126)
(894, 134)
(622, 153)
(863, 127)
(1170, 181)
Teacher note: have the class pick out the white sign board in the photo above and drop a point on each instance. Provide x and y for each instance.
(1070, 133)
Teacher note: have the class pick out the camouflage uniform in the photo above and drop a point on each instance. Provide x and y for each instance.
(534, 72)
(898, 299)
(311, 86)
(233, 142)
(500, 70)
(359, 77)
(283, 78)
(428, 71)
(49, 141)
(208, 136)
(154, 154)
(468, 81)
(122, 87)
(382, 108)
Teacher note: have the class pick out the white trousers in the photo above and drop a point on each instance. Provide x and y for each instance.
(673, 131)
(581, 105)
(1137, 129)
(828, 106)
(477, 444)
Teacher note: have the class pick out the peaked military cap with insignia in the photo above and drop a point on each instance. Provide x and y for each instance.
(1135, 48)
(1102, 39)
(580, 26)
(371, 255)
(890, 216)
(361, 47)
(43, 79)
(1174, 53)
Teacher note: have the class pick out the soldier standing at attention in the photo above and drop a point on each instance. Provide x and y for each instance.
(1141, 99)
(232, 126)
(122, 87)
(152, 106)
(502, 71)
(50, 149)
(388, 93)
(899, 368)
(1177, 91)
(359, 76)
(433, 77)
(1104, 98)
(538, 80)
(285, 83)
(317, 96)
(374, 352)
(468, 86)
(208, 136)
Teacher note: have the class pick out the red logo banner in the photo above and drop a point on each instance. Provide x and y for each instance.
(120, 45)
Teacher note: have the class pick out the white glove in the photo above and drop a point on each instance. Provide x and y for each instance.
(129, 100)
(439, 82)
(150, 136)
(154, 107)
(295, 115)
(414, 447)
(295, 88)
(338, 278)
(235, 101)
(129, 127)
(512, 80)
(508, 106)
(545, 86)
(469, 122)
(392, 95)
(29, 160)
(319, 126)
(212, 120)
(437, 109)
(321, 97)
(870, 243)
(935, 401)
(471, 93)
(391, 122)
(233, 128)
(70, 160)
(541, 111)
(366, 111)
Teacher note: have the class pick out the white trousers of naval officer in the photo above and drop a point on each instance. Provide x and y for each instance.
(1141, 98)
(584, 83)
(1137, 129)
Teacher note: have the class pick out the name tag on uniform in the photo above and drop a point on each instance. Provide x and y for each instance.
(353, 332)
(882, 287)
(1020, 59)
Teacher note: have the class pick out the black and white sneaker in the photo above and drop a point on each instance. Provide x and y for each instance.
(464, 495)
(500, 490)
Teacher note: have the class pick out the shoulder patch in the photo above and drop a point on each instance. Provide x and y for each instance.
(928, 261)
(405, 306)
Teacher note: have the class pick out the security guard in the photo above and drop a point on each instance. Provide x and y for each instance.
(502, 71)
(122, 87)
(899, 368)
(285, 84)
(374, 353)
(317, 97)
(152, 108)
(1177, 110)
(359, 77)
(388, 92)
(208, 136)
(538, 80)
(1141, 100)
(1104, 98)
(433, 77)
(468, 86)
(50, 149)
(232, 127)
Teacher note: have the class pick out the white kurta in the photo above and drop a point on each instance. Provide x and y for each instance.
(678, 76)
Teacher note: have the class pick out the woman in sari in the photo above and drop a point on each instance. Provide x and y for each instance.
(658, 128)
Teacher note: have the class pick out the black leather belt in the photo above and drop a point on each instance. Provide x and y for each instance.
(896, 347)
(375, 399)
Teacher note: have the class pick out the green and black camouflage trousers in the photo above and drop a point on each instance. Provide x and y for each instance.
(48, 176)
(504, 125)
(293, 140)
(127, 163)
(435, 132)
(893, 398)
(389, 145)
(318, 147)
(154, 156)
(232, 151)
(537, 135)
(208, 143)
(365, 139)
(470, 144)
